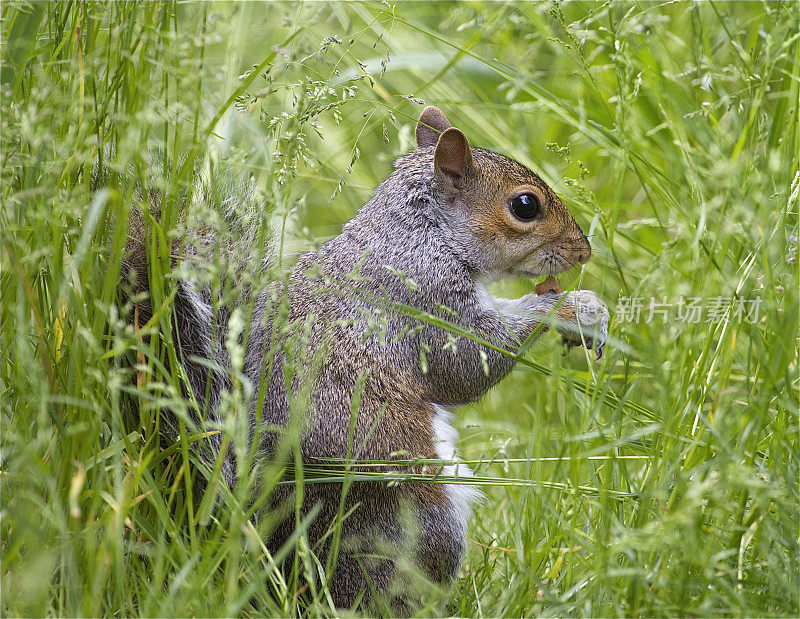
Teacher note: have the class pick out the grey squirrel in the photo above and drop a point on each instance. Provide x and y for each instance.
(449, 219)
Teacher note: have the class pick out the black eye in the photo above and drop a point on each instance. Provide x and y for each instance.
(525, 206)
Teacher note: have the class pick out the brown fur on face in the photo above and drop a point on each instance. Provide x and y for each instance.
(551, 243)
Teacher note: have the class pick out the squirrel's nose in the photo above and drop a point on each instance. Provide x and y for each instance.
(583, 250)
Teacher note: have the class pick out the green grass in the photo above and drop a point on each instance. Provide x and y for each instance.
(661, 481)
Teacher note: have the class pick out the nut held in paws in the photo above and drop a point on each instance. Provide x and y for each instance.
(549, 284)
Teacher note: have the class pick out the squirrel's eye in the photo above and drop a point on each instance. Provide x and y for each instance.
(525, 206)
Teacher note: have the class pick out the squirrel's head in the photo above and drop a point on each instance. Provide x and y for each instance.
(520, 225)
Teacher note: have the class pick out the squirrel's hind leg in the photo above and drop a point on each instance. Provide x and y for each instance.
(387, 560)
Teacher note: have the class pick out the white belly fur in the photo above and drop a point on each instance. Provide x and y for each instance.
(461, 496)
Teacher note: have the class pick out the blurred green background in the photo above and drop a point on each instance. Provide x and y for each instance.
(661, 481)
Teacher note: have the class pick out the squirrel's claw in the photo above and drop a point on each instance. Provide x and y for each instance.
(592, 318)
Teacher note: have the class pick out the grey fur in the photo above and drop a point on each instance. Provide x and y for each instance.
(412, 245)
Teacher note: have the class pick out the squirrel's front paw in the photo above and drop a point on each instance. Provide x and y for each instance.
(585, 320)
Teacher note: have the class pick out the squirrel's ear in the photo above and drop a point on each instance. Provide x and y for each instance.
(453, 156)
(431, 124)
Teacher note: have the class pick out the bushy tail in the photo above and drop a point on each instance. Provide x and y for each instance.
(199, 318)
